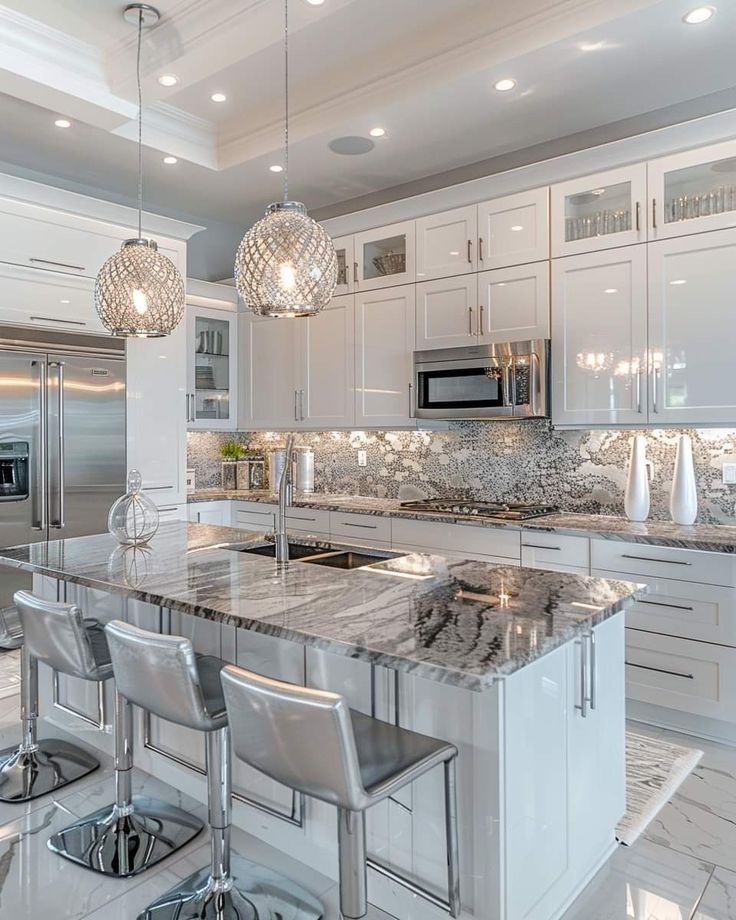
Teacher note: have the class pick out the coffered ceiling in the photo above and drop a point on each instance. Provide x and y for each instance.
(424, 70)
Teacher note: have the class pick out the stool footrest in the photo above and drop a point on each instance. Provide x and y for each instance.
(50, 765)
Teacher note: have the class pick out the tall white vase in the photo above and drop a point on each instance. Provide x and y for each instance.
(684, 496)
(636, 497)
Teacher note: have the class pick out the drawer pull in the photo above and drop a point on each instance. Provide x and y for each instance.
(557, 549)
(77, 268)
(652, 559)
(662, 604)
(645, 667)
(296, 517)
(56, 319)
(362, 526)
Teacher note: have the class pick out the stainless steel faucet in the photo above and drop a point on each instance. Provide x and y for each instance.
(285, 493)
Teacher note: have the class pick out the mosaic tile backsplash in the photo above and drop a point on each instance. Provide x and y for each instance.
(582, 471)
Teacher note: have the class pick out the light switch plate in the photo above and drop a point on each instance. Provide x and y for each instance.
(729, 474)
(362, 458)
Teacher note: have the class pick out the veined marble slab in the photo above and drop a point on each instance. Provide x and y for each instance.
(460, 622)
(718, 538)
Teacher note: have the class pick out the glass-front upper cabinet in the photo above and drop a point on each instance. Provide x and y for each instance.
(600, 211)
(347, 269)
(212, 369)
(692, 192)
(385, 256)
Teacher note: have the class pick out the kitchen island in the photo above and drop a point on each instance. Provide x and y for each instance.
(522, 669)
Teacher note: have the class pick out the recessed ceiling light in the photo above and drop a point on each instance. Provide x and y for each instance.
(218, 97)
(276, 168)
(63, 301)
(503, 86)
(679, 281)
(611, 291)
(170, 161)
(516, 228)
(377, 132)
(698, 15)
(454, 252)
(592, 46)
(315, 2)
(168, 79)
(63, 123)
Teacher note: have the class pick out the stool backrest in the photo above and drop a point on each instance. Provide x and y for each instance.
(56, 634)
(298, 736)
(158, 673)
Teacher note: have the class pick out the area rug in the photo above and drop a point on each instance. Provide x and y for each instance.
(655, 769)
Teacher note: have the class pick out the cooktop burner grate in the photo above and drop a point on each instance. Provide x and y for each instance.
(507, 511)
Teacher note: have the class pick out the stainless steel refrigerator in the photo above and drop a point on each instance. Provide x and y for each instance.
(62, 438)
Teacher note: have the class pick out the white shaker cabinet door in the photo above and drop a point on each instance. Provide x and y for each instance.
(327, 357)
(384, 345)
(599, 338)
(270, 361)
(446, 244)
(514, 304)
(514, 229)
(447, 312)
(692, 334)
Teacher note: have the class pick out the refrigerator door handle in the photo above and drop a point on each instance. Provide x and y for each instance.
(41, 496)
(58, 523)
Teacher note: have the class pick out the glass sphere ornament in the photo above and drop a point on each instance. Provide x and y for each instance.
(133, 518)
(139, 291)
(286, 264)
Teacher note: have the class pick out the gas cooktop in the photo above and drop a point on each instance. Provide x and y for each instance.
(504, 511)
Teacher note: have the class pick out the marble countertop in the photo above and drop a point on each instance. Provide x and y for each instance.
(458, 622)
(719, 538)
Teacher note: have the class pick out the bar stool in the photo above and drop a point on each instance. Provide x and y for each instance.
(312, 741)
(56, 634)
(11, 631)
(163, 675)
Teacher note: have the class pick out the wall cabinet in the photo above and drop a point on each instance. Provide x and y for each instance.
(599, 338)
(268, 353)
(326, 367)
(600, 211)
(212, 370)
(447, 314)
(514, 229)
(385, 257)
(347, 268)
(384, 343)
(447, 244)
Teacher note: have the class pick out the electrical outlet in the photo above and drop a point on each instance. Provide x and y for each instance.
(729, 474)
(362, 458)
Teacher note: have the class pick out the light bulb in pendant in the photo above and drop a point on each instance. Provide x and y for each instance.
(286, 274)
(140, 301)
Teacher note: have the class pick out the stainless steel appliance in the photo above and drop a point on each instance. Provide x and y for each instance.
(503, 511)
(508, 380)
(62, 437)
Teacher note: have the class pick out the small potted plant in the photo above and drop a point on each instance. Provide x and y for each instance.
(230, 453)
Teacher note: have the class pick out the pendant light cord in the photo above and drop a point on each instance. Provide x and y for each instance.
(140, 127)
(286, 100)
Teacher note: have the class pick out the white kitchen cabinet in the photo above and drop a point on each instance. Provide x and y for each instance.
(326, 355)
(385, 257)
(254, 515)
(599, 338)
(346, 266)
(212, 372)
(692, 334)
(464, 541)
(513, 304)
(366, 529)
(447, 244)
(556, 552)
(692, 192)
(664, 561)
(217, 512)
(384, 346)
(168, 513)
(48, 300)
(447, 313)
(600, 211)
(514, 229)
(268, 352)
(312, 521)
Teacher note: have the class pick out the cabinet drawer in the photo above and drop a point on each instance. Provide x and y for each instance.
(254, 515)
(308, 520)
(694, 677)
(555, 551)
(172, 513)
(664, 561)
(457, 539)
(361, 528)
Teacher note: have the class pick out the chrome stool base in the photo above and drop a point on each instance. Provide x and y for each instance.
(120, 844)
(49, 765)
(257, 893)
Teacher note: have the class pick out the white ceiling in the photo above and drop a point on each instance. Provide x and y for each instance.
(422, 69)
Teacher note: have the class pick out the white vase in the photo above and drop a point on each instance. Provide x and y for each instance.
(684, 495)
(636, 497)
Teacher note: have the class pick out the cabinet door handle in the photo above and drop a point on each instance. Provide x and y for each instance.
(638, 389)
(582, 706)
(669, 606)
(362, 526)
(655, 390)
(355, 272)
(593, 696)
(411, 400)
(480, 248)
(652, 559)
(638, 216)
(480, 321)
(296, 405)
(654, 213)
(470, 252)
(470, 320)
(542, 546)
(301, 405)
(77, 268)
(646, 667)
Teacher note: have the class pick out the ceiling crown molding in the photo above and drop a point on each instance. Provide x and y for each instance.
(173, 131)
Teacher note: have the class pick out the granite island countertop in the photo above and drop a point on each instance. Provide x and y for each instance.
(718, 538)
(464, 623)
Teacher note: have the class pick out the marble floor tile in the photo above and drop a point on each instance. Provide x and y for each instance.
(719, 900)
(643, 882)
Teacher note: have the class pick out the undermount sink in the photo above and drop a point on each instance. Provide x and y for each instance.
(349, 559)
(296, 550)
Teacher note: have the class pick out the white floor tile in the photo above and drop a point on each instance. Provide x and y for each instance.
(719, 900)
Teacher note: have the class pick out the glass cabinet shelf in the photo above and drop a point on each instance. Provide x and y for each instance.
(211, 339)
(700, 190)
(598, 212)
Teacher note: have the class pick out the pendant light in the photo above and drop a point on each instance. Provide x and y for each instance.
(286, 264)
(139, 291)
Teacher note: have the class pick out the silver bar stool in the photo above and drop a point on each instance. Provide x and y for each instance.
(312, 741)
(164, 675)
(11, 631)
(77, 647)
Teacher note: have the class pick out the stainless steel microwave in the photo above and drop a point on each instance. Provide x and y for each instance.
(501, 381)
